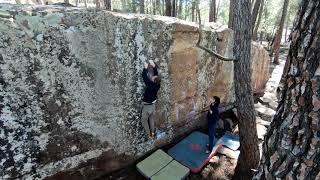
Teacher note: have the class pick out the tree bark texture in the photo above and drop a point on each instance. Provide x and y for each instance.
(255, 12)
(174, 8)
(196, 15)
(123, 4)
(133, 6)
(256, 27)
(291, 149)
(168, 8)
(158, 7)
(231, 8)
(180, 9)
(218, 8)
(107, 4)
(276, 45)
(212, 13)
(186, 10)
(249, 150)
(163, 7)
(287, 27)
(141, 6)
(193, 10)
(98, 5)
(153, 8)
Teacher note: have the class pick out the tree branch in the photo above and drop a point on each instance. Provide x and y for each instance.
(214, 54)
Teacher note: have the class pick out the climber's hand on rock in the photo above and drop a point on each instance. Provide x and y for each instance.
(152, 63)
(146, 65)
(212, 101)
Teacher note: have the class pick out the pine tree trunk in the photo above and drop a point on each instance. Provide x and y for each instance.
(249, 149)
(134, 6)
(123, 4)
(291, 149)
(163, 8)
(180, 9)
(158, 7)
(173, 14)
(276, 46)
(186, 10)
(273, 34)
(98, 5)
(255, 12)
(86, 3)
(168, 8)
(218, 8)
(196, 16)
(231, 8)
(193, 8)
(256, 27)
(107, 4)
(141, 6)
(212, 13)
(153, 7)
(261, 37)
(287, 26)
(146, 11)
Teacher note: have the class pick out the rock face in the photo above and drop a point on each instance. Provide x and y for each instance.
(260, 68)
(71, 86)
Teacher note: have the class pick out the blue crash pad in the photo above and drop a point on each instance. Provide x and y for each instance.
(231, 141)
(191, 151)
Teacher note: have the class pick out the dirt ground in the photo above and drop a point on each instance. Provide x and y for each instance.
(220, 168)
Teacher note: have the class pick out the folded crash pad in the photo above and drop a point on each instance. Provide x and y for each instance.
(160, 165)
(191, 151)
(229, 152)
(231, 141)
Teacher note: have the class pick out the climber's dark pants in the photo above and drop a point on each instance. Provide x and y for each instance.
(212, 132)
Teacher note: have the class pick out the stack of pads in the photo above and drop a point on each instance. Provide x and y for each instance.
(189, 154)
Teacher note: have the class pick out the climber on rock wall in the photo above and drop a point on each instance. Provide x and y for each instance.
(150, 98)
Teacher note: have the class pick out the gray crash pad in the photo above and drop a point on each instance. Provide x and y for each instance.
(160, 165)
(173, 171)
(154, 163)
